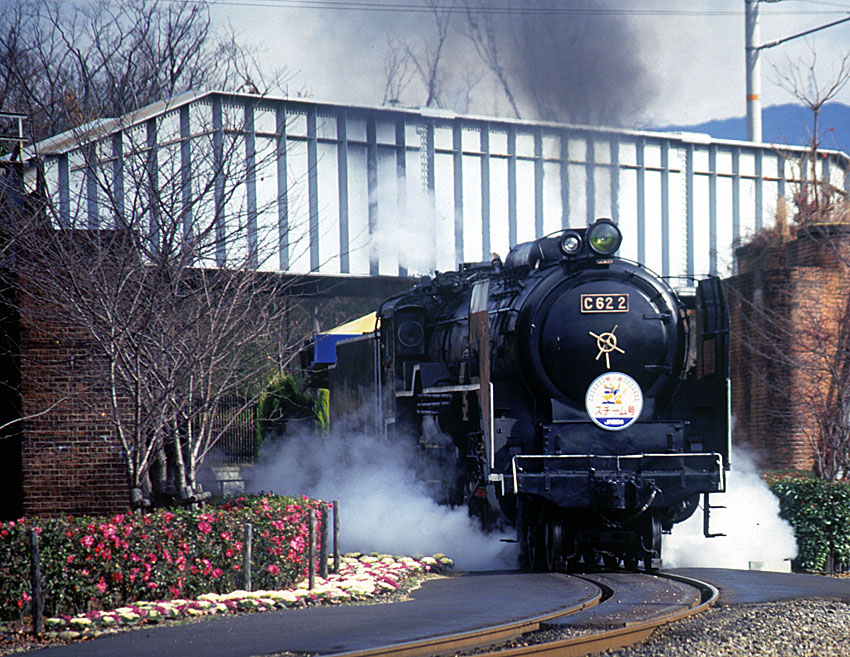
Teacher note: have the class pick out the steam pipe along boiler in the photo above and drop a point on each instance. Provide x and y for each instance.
(587, 403)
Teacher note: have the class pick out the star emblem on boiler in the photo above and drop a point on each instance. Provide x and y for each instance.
(606, 342)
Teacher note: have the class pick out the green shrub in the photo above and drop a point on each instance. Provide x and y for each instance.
(323, 415)
(819, 512)
(102, 563)
(281, 404)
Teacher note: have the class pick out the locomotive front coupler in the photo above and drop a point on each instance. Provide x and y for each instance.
(621, 492)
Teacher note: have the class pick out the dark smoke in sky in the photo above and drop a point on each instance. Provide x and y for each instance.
(572, 61)
(580, 67)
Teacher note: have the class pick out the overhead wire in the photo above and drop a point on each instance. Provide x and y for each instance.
(501, 9)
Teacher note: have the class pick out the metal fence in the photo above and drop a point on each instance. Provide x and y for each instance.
(236, 421)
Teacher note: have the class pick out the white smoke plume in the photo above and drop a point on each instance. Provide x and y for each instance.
(384, 507)
(755, 534)
(409, 228)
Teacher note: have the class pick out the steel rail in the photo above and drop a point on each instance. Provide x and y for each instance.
(611, 639)
(453, 643)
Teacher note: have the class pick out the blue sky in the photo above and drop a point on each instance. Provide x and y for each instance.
(694, 50)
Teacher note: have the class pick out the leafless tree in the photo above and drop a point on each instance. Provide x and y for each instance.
(799, 78)
(397, 70)
(487, 40)
(422, 58)
(65, 64)
(427, 58)
(164, 286)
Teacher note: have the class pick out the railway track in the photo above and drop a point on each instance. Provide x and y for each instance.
(628, 609)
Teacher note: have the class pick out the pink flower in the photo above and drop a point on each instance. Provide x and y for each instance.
(273, 569)
(204, 527)
(101, 585)
(87, 541)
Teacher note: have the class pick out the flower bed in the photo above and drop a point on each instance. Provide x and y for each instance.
(90, 564)
(359, 578)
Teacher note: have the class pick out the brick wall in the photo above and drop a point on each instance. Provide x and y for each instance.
(788, 305)
(71, 459)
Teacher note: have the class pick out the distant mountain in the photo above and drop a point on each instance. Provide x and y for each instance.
(785, 124)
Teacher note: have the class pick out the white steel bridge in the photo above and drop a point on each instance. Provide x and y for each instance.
(339, 189)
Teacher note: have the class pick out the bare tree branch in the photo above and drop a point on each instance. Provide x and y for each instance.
(65, 64)
(799, 78)
(482, 32)
(397, 70)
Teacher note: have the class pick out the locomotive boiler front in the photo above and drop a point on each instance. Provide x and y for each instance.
(602, 318)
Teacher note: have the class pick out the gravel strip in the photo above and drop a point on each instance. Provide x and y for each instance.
(795, 628)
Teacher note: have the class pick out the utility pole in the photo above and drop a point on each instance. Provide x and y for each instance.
(753, 52)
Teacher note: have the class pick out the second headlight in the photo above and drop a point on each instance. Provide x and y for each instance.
(604, 237)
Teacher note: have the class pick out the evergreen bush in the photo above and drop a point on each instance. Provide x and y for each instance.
(283, 407)
(819, 512)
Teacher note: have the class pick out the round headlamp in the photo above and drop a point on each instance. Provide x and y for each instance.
(604, 237)
(570, 243)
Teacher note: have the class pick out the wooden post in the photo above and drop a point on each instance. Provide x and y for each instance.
(323, 545)
(37, 601)
(247, 546)
(311, 550)
(336, 536)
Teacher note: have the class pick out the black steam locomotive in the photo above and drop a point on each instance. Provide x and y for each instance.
(587, 403)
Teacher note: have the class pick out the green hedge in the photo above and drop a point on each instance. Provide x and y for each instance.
(819, 512)
(102, 563)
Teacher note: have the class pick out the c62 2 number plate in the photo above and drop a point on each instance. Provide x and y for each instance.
(604, 303)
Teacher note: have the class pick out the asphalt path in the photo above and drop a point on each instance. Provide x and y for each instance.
(442, 606)
(753, 586)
